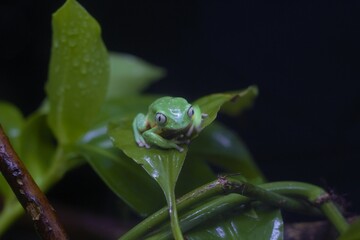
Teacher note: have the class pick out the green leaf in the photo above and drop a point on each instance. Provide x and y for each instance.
(114, 168)
(211, 104)
(129, 75)
(247, 101)
(224, 149)
(264, 224)
(78, 74)
(353, 233)
(162, 165)
(12, 121)
(125, 178)
(37, 146)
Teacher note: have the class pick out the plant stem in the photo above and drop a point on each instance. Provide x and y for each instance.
(316, 196)
(198, 215)
(160, 216)
(175, 226)
(28, 193)
(279, 194)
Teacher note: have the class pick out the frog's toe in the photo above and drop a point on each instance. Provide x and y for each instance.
(180, 149)
(142, 144)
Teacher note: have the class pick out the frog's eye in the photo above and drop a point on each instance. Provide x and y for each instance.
(160, 118)
(191, 111)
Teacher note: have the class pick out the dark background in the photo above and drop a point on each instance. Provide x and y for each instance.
(303, 56)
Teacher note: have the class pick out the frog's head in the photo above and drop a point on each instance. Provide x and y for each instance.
(176, 114)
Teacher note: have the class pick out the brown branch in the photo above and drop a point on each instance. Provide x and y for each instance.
(28, 193)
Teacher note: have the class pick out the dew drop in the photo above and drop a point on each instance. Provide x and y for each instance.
(75, 62)
(81, 85)
(83, 69)
(72, 43)
(77, 105)
(86, 58)
(63, 38)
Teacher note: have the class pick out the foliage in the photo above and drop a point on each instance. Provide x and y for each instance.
(93, 96)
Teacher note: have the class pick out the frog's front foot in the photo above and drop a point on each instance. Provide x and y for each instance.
(141, 143)
(180, 149)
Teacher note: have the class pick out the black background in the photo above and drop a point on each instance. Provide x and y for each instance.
(303, 56)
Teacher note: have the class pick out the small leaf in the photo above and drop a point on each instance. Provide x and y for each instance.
(78, 74)
(266, 224)
(129, 75)
(12, 121)
(211, 104)
(37, 146)
(247, 100)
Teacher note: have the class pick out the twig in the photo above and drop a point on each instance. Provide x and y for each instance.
(28, 193)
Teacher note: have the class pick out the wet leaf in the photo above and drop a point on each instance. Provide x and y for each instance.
(129, 75)
(266, 224)
(113, 166)
(162, 165)
(78, 74)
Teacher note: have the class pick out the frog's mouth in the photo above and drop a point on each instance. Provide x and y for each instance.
(186, 132)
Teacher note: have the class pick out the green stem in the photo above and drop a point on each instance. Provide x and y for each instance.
(199, 194)
(175, 226)
(199, 215)
(316, 196)
(265, 193)
(270, 193)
